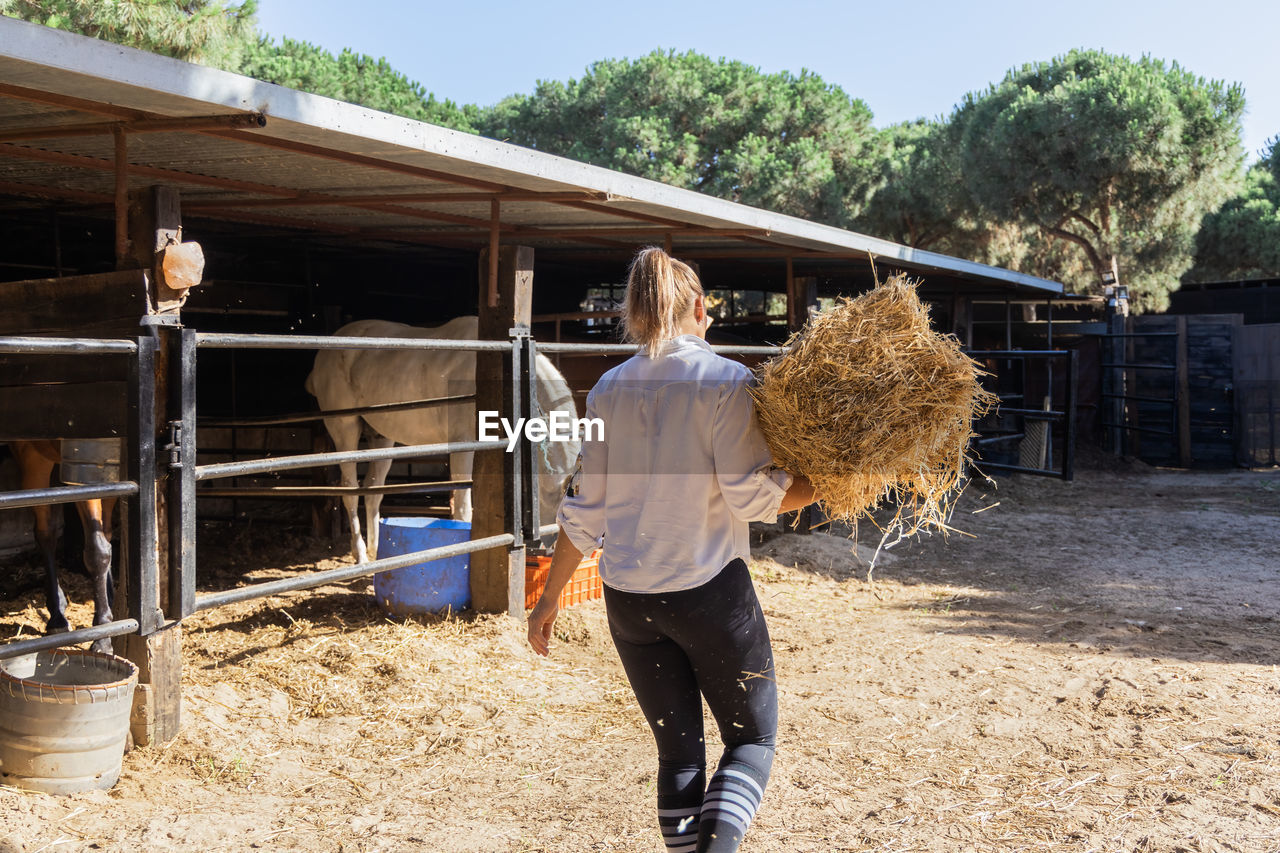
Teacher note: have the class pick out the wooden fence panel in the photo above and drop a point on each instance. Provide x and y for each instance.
(1256, 380)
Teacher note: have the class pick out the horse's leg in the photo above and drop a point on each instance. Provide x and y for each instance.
(346, 436)
(460, 465)
(375, 476)
(35, 469)
(97, 559)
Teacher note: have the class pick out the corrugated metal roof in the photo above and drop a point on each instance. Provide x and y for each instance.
(328, 166)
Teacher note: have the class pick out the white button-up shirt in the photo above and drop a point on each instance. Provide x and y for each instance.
(681, 470)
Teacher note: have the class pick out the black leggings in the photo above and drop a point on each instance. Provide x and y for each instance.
(708, 641)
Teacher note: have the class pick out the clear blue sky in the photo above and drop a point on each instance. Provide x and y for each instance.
(905, 60)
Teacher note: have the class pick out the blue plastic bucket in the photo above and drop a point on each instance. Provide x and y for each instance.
(425, 587)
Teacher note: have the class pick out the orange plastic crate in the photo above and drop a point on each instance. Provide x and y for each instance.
(584, 584)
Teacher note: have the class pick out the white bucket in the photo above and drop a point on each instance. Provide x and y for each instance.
(64, 718)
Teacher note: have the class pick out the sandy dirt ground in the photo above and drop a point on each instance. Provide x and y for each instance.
(1094, 669)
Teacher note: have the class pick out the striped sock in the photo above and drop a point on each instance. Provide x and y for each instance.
(679, 829)
(730, 804)
(680, 789)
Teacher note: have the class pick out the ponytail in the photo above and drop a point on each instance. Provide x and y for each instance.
(660, 291)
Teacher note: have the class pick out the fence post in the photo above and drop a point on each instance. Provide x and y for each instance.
(1069, 424)
(155, 228)
(182, 479)
(497, 577)
(531, 463)
(156, 648)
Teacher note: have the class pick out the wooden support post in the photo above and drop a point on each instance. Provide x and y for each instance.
(121, 197)
(962, 320)
(490, 298)
(1182, 395)
(802, 298)
(497, 576)
(155, 223)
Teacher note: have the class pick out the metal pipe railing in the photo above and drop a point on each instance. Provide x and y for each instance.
(327, 414)
(221, 470)
(631, 349)
(56, 641)
(1035, 414)
(217, 340)
(346, 573)
(65, 346)
(66, 494)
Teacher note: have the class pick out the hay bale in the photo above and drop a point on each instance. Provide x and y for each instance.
(870, 403)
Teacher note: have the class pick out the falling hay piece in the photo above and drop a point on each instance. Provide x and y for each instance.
(871, 404)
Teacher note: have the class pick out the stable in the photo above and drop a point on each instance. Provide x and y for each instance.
(154, 209)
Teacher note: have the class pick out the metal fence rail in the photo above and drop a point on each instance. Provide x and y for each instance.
(214, 340)
(514, 347)
(271, 464)
(138, 564)
(65, 494)
(360, 570)
(632, 349)
(1064, 417)
(65, 346)
(118, 628)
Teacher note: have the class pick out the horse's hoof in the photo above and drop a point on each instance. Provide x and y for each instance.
(103, 646)
(57, 629)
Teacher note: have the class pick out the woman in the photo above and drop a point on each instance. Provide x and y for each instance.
(668, 493)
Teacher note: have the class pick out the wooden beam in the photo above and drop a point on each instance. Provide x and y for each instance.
(84, 105)
(100, 305)
(98, 164)
(183, 124)
(61, 193)
(121, 199)
(497, 576)
(329, 199)
(359, 160)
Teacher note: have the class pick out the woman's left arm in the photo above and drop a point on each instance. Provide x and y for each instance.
(751, 485)
(543, 616)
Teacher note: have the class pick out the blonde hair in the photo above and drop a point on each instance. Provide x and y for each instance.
(660, 291)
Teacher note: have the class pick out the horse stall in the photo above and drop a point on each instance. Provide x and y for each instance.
(120, 170)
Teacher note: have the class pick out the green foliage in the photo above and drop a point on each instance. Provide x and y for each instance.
(791, 144)
(923, 201)
(921, 195)
(1241, 239)
(213, 32)
(351, 77)
(1118, 158)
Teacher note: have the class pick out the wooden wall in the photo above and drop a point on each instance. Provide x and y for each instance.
(1208, 387)
(1257, 393)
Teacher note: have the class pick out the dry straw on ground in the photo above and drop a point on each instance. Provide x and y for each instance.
(871, 404)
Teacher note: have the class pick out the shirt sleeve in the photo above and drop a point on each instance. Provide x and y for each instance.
(581, 512)
(751, 484)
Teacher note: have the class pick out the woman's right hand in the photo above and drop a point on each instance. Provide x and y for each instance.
(541, 619)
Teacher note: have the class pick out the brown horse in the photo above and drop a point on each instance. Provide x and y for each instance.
(35, 462)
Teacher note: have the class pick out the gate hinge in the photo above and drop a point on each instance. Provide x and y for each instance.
(174, 447)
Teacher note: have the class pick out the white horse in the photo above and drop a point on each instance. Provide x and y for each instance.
(347, 379)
